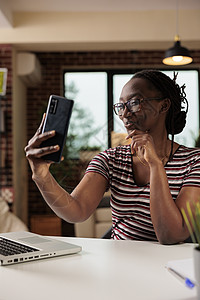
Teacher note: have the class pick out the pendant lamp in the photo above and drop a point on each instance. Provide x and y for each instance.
(177, 55)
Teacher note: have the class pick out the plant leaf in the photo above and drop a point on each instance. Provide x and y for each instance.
(193, 220)
(188, 225)
(197, 221)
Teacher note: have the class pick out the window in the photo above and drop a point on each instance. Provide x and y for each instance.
(88, 125)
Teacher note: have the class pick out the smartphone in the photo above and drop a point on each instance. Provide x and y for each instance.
(58, 115)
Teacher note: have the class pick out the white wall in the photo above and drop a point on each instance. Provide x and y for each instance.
(20, 173)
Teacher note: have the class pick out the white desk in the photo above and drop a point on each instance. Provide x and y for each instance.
(105, 269)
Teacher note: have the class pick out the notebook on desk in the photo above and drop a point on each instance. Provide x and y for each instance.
(18, 247)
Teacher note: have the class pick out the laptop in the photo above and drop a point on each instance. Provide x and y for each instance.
(18, 247)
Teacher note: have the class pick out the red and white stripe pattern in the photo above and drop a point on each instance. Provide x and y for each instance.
(130, 203)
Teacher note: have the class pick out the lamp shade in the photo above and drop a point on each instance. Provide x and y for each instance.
(177, 55)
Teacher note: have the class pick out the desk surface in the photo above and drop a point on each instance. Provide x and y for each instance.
(105, 269)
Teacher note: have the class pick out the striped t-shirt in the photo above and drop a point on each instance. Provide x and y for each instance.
(130, 203)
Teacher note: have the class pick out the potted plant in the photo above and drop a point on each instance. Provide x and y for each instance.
(194, 218)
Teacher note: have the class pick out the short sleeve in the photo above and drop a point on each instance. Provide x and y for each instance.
(99, 164)
(193, 175)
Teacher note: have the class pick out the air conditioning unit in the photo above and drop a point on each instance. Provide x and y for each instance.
(29, 69)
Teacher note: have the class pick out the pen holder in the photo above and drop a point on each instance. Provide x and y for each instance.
(196, 259)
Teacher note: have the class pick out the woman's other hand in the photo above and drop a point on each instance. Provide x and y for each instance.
(143, 144)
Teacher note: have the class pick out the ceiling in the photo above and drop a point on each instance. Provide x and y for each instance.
(96, 5)
(70, 25)
(8, 7)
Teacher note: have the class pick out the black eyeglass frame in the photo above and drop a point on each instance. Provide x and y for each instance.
(127, 104)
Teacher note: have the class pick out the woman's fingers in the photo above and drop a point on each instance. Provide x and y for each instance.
(37, 139)
(39, 152)
(142, 143)
(39, 130)
(140, 140)
(139, 146)
(136, 132)
(48, 150)
(33, 149)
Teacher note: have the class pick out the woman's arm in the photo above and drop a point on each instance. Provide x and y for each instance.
(83, 200)
(80, 204)
(166, 214)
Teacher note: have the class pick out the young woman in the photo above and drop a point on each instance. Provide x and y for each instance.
(150, 180)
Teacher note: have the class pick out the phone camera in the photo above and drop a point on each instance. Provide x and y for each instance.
(53, 106)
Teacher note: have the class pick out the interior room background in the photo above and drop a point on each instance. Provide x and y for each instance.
(66, 42)
(53, 65)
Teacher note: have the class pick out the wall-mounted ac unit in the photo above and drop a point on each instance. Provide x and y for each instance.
(29, 68)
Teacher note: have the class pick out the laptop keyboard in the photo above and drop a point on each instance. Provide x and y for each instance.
(8, 247)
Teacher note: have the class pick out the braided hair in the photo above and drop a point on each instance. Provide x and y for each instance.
(176, 117)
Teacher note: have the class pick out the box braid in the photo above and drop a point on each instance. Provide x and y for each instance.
(176, 117)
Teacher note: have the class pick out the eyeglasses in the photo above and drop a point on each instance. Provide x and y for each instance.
(133, 105)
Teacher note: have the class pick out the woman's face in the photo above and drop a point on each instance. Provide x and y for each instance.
(148, 117)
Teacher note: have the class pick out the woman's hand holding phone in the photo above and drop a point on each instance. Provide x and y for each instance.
(34, 151)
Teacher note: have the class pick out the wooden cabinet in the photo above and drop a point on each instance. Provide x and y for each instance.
(46, 225)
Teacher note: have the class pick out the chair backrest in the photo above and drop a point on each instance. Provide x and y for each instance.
(118, 139)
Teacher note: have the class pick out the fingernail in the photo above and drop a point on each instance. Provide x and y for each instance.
(52, 132)
(56, 147)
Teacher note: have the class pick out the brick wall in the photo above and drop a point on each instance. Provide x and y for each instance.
(6, 159)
